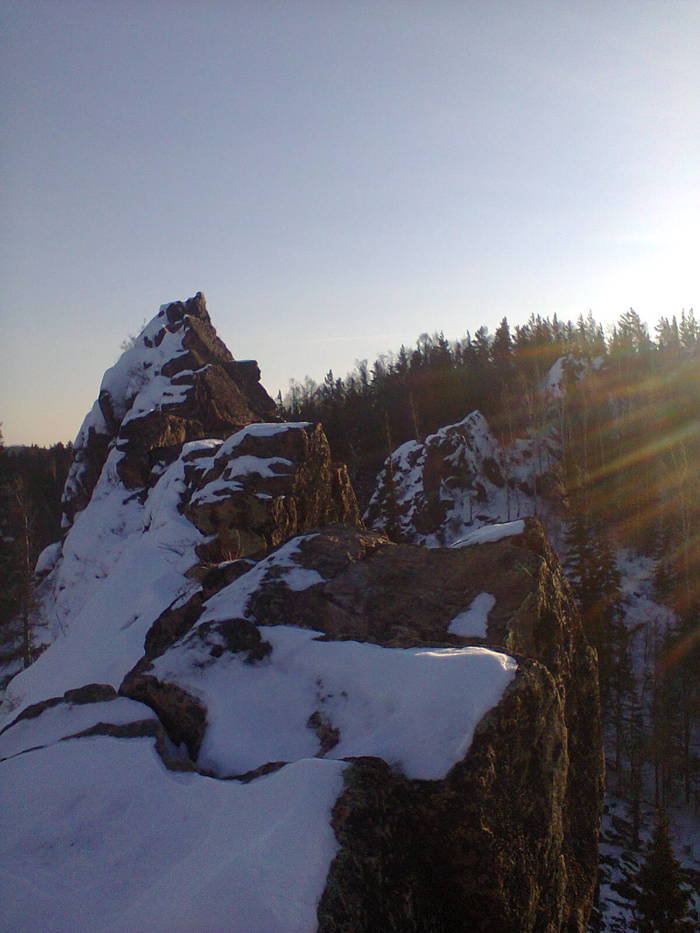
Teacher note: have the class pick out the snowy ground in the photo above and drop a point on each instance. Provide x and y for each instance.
(122, 564)
(121, 844)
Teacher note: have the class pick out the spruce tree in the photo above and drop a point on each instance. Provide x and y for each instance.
(659, 896)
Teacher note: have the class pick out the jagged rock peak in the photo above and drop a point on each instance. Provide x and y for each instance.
(177, 382)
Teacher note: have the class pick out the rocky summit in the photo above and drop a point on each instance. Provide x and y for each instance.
(254, 714)
(176, 383)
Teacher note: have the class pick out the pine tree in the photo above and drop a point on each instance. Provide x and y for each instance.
(502, 349)
(689, 330)
(659, 896)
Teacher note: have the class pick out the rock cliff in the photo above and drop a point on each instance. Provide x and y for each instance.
(256, 715)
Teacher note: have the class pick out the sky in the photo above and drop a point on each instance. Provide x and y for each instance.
(337, 177)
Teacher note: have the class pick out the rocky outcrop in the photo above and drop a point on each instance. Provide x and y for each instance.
(452, 855)
(177, 383)
(461, 477)
(265, 485)
(479, 850)
(182, 715)
(184, 457)
(506, 840)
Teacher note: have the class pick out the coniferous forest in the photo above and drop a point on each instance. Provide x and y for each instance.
(31, 483)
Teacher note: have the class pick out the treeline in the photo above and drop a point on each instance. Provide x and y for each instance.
(31, 483)
(411, 393)
(628, 422)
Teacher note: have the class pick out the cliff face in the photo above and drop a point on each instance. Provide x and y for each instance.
(258, 715)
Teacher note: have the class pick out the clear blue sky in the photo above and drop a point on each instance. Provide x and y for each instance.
(337, 176)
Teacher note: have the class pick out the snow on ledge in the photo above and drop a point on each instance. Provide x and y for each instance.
(416, 708)
(259, 429)
(489, 533)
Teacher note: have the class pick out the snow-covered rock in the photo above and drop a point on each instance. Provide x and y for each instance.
(458, 479)
(267, 483)
(176, 383)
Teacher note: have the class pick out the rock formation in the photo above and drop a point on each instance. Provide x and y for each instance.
(290, 722)
(177, 383)
(461, 477)
(264, 485)
(443, 850)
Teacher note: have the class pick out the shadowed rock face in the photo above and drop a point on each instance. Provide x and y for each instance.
(177, 383)
(508, 840)
(479, 850)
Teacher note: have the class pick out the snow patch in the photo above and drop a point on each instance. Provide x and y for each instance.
(474, 620)
(207, 855)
